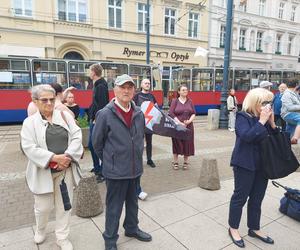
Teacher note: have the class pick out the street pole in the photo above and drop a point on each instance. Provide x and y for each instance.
(148, 33)
(223, 122)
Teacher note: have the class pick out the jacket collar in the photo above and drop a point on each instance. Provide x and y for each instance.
(111, 106)
(56, 119)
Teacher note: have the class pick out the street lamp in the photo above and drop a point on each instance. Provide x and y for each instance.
(223, 122)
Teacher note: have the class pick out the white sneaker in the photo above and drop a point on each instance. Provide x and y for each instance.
(231, 129)
(64, 244)
(39, 237)
(143, 196)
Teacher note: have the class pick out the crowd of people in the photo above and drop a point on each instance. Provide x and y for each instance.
(52, 142)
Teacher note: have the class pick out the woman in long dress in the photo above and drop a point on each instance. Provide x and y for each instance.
(183, 112)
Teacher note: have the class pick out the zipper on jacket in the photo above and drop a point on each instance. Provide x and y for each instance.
(133, 167)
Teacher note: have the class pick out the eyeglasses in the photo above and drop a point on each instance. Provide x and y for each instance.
(265, 103)
(46, 100)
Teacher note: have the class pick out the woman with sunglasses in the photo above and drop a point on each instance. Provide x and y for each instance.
(52, 142)
(253, 124)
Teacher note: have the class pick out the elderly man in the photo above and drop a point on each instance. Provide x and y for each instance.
(118, 141)
(277, 106)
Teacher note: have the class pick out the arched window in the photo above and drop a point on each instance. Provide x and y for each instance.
(73, 55)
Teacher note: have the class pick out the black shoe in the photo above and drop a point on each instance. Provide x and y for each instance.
(267, 239)
(100, 178)
(92, 170)
(111, 248)
(140, 235)
(240, 243)
(151, 164)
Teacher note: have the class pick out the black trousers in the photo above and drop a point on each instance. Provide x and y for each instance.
(148, 146)
(247, 184)
(280, 122)
(118, 192)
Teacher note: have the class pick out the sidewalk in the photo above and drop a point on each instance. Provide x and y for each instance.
(189, 219)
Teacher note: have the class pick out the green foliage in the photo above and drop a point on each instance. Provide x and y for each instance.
(83, 121)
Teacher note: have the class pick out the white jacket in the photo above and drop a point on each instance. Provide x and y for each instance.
(230, 103)
(33, 139)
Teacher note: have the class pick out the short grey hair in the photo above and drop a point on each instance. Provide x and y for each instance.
(38, 89)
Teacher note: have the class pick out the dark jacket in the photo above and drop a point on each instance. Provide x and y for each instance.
(100, 98)
(277, 103)
(141, 97)
(249, 134)
(120, 148)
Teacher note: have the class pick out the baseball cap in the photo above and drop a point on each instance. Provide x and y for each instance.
(123, 79)
(265, 84)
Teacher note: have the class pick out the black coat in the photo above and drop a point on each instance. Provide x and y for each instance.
(249, 134)
(100, 98)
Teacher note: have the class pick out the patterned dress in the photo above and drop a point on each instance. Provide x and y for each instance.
(183, 111)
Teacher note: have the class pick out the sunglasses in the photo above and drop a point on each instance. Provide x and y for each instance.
(265, 103)
(46, 100)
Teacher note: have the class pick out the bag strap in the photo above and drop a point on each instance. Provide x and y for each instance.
(276, 184)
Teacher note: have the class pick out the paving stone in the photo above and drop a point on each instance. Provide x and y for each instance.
(83, 236)
(167, 209)
(270, 207)
(249, 246)
(290, 223)
(21, 245)
(145, 223)
(16, 236)
(285, 238)
(201, 199)
(200, 232)
(220, 215)
(160, 240)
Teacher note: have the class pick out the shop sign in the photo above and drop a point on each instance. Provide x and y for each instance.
(160, 54)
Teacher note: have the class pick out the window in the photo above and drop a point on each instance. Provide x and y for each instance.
(290, 45)
(281, 10)
(23, 8)
(142, 17)
(222, 36)
(170, 21)
(261, 7)
(259, 37)
(293, 14)
(242, 39)
(278, 44)
(193, 25)
(72, 10)
(243, 5)
(115, 13)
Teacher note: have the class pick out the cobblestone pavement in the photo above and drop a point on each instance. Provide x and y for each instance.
(16, 201)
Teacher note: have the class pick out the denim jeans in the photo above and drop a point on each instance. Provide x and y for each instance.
(96, 162)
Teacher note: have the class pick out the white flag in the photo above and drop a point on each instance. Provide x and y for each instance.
(201, 52)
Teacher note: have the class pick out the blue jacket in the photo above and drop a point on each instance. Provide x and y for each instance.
(249, 134)
(277, 103)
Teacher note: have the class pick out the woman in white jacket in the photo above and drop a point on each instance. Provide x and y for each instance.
(52, 143)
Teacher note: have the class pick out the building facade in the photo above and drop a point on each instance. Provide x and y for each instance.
(112, 30)
(266, 34)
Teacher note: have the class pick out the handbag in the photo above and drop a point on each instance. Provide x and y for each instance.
(277, 157)
(290, 203)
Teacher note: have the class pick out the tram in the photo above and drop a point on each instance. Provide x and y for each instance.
(205, 84)
(18, 75)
